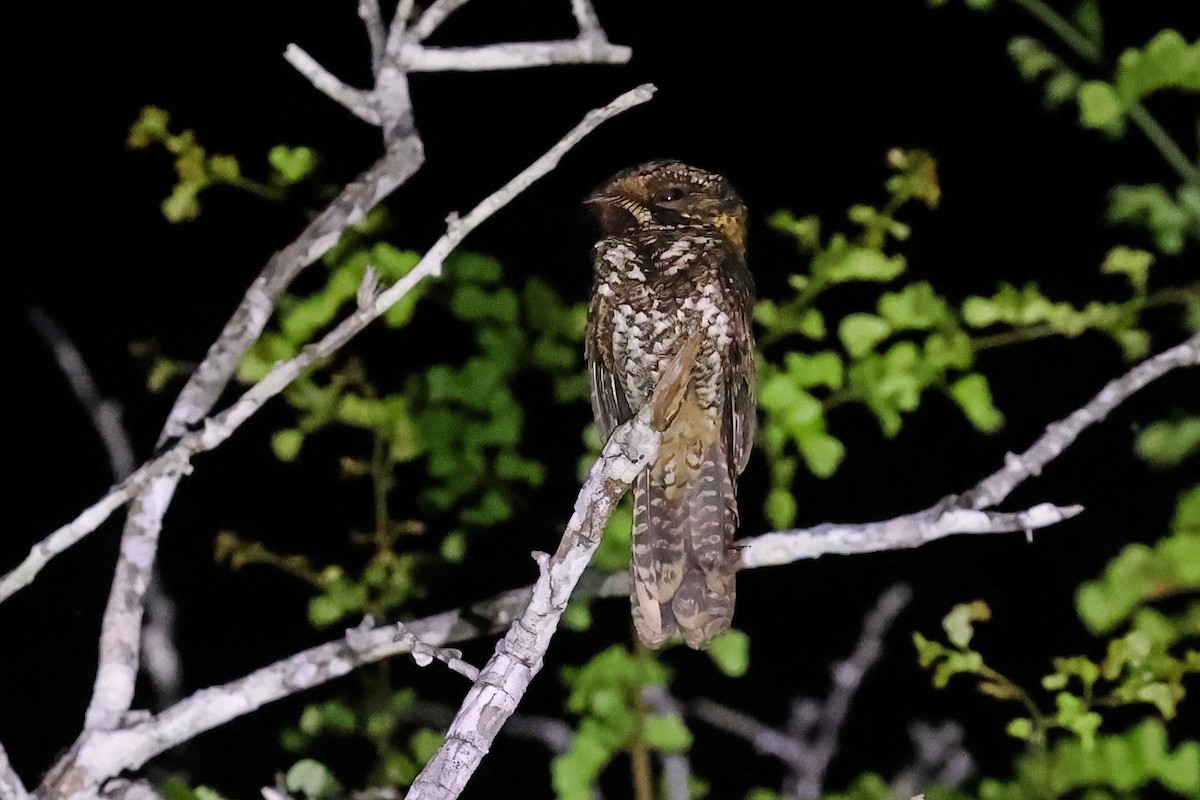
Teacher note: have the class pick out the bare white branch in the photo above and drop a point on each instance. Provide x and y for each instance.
(907, 531)
(358, 102)
(424, 654)
(171, 463)
(966, 513)
(518, 657)
(104, 413)
(433, 17)
(940, 758)
(1058, 437)
(586, 19)
(160, 658)
(372, 17)
(513, 55)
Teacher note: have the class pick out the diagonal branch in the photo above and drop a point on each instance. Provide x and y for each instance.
(495, 695)
(968, 512)
(116, 674)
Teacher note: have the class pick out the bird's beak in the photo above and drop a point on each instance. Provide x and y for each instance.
(619, 201)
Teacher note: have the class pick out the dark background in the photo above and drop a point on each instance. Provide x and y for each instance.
(798, 110)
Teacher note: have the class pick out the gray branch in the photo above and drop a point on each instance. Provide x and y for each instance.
(810, 741)
(518, 657)
(806, 779)
(967, 513)
(513, 55)
(160, 658)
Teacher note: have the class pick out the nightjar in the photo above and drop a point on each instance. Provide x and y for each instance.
(670, 271)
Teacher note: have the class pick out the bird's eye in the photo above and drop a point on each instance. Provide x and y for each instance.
(668, 194)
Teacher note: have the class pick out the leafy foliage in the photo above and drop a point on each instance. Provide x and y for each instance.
(1144, 666)
(606, 694)
(913, 340)
(197, 170)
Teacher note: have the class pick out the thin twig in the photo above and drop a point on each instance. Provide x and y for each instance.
(160, 658)
(105, 414)
(372, 17)
(809, 744)
(424, 653)
(358, 102)
(806, 780)
(433, 17)
(968, 512)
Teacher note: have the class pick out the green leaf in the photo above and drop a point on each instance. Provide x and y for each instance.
(1187, 514)
(666, 732)
(780, 507)
(1100, 107)
(731, 653)
(949, 350)
(805, 230)
(469, 267)
(182, 204)
(152, 125)
(1166, 62)
(1020, 728)
(842, 262)
(224, 168)
(293, 164)
(471, 303)
(1168, 219)
(1133, 264)
(820, 369)
(312, 779)
(959, 623)
(1168, 443)
(577, 616)
(860, 333)
(1089, 22)
(974, 396)
(286, 443)
(454, 547)
(823, 454)
(916, 307)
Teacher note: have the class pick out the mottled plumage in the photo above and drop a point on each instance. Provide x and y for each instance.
(671, 269)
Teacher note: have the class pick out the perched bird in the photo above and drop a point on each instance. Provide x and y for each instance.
(669, 274)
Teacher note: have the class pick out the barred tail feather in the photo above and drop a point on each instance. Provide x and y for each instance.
(683, 556)
(659, 540)
(703, 604)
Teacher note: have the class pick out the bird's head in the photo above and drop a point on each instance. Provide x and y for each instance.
(669, 194)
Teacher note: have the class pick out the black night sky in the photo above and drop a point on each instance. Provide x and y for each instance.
(796, 107)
